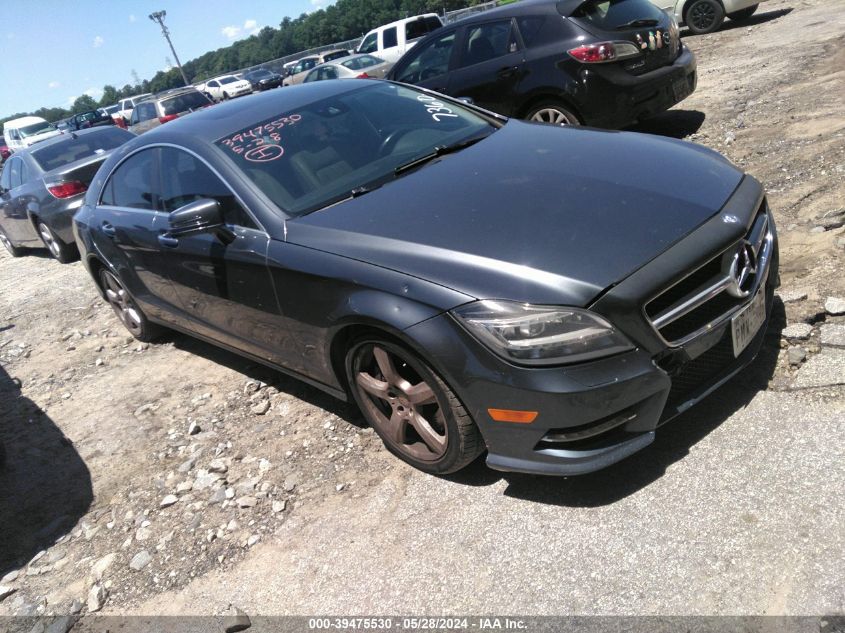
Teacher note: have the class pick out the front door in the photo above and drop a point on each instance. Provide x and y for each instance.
(428, 64)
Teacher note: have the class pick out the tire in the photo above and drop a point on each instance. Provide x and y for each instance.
(417, 416)
(14, 251)
(225, 96)
(704, 16)
(65, 253)
(552, 113)
(743, 14)
(126, 309)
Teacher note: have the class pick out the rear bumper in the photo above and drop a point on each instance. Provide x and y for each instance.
(613, 98)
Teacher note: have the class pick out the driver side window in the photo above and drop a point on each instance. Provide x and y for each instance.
(430, 60)
(370, 44)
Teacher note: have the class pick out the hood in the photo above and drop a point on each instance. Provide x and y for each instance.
(532, 213)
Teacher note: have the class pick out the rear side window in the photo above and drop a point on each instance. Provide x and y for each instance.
(184, 103)
(488, 41)
(6, 178)
(529, 28)
(388, 37)
(335, 55)
(131, 185)
(428, 60)
(16, 169)
(184, 179)
(420, 27)
(609, 15)
(370, 44)
(73, 149)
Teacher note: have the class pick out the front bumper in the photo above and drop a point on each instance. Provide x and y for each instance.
(595, 414)
(613, 98)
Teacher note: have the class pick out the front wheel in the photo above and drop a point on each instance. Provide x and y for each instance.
(743, 14)
(704, 16)
(552, 113)
(65, 253)
(225, 96)
(417, 416)
(125, 308)
(14, 251)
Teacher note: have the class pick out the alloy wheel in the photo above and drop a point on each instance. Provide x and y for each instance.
(702, 16)
(400, 403)
(49, 240)
(552, 116)
(122, 304)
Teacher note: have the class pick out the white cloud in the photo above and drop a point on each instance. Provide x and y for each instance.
(132, 17)
(94, 93)
(98, 41)
(54, 84)
(233, 32)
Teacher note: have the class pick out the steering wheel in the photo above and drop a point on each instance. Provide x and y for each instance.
(389, 144)
(428, 73)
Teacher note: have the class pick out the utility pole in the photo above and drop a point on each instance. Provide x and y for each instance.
(158, 16)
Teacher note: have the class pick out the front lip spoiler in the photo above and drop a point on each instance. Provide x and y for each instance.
(573, 462)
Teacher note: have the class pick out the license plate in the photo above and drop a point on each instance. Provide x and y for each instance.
(746, 324)
(681, 89)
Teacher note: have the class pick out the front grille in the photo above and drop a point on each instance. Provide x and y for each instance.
(713, 292)
(700, 371)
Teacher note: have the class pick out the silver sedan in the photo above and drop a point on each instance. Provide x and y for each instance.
(352, 67)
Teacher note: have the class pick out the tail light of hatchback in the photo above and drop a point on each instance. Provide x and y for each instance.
(167, 117)
(604, 52)
(68, 189)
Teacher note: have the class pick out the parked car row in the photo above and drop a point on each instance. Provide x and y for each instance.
(473, 282)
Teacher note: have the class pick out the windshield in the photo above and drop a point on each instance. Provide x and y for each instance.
(311, 157)
(184, 102)
(228, 80)
(36, 128)
(111, 109)
(76, 148)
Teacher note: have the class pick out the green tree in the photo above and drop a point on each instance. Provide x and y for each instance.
(83, 104)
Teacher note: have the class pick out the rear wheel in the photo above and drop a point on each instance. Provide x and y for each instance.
(65, 253)
(225, 96)
(553, 113)
(14, 251)
(125, 308)
(415, 413)
(704, 16)
(743, 14)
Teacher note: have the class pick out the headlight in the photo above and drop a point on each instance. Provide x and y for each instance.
(541, 335)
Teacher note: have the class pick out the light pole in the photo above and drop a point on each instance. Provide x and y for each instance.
(158, 16)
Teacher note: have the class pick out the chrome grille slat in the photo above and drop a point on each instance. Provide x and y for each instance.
(722, 285)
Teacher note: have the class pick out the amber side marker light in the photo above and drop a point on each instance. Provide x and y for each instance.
(518, 417)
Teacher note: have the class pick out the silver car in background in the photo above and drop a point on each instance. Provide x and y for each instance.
(362, 66)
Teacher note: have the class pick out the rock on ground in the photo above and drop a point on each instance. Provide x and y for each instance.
(835, 306)
(797, 331)
(140, 560)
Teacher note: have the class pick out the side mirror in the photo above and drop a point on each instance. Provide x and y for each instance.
(200, 216)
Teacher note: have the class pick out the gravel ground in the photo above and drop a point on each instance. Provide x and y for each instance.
(177, 478)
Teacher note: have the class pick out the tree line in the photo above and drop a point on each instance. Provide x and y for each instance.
(344, 20)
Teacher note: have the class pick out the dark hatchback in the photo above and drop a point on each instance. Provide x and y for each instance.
(604, 63)
(42, 186)
(263, 79)
(472, 282)
(92, 118)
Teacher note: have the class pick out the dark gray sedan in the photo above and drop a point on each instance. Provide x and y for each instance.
(42, 187)
(550, 295)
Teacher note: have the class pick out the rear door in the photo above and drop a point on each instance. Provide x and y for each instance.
(125, 226)
(13, 200)
(490, 65)
(144, 117)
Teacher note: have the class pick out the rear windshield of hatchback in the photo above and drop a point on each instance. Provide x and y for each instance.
(62, 153)
(184, 103)
(610, 15)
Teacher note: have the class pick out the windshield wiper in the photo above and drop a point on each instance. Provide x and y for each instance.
(637, 23)
(437, 152)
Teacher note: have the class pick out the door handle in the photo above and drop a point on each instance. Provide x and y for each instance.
(507, 71)
(168, 240)
(109, 230)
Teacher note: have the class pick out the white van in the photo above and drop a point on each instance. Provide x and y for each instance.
(391, 41)
(27, 130)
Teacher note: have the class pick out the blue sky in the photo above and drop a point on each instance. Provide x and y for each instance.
(57, 50)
